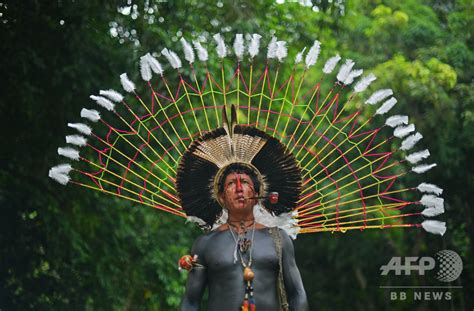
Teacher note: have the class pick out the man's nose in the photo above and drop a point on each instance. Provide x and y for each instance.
(238, 186)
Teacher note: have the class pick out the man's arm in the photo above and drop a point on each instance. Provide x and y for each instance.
(197, 279)
(293, 284)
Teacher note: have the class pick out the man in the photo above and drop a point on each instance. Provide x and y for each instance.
(243, 249)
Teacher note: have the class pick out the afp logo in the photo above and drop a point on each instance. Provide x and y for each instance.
(446, 263)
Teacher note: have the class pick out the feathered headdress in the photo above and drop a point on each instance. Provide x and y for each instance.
(203, 164)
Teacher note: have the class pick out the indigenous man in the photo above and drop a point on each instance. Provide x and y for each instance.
(242, 184)
(256, 249)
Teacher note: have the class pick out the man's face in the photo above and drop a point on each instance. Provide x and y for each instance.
(237, 187)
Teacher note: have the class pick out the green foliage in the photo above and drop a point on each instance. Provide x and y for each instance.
(65, 248)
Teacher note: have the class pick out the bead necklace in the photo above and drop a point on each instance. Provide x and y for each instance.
(249, 302)
(243, 242)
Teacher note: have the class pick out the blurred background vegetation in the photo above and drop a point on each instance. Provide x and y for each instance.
(63, 248)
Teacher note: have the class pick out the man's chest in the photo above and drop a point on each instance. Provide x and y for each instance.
(222, 255)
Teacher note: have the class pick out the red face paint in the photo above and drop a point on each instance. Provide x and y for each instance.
(238, 185)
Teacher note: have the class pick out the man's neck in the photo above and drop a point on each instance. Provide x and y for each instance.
(244, 216)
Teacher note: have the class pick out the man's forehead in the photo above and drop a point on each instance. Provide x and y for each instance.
(235, 175)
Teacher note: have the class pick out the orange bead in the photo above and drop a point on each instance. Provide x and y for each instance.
(248, 274)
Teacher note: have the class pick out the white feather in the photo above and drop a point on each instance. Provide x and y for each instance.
(432, 212)
(293, 231)
(313, 54)
(155, 65)
(221, 48)
(299, 56)
(239, 46)
(364, 83)
(411, 141)
(81, 128)
(429, 188)
(127, 85)
(378, 96)
(396, 120)
(188, 51)
(285, 221)
(272, 48)
(63, 179)
(281, 51)
(352, 75)
(417, 156)
(145, 70)
(90, 114)
(221, 220)
(434, 226)
(386, 106)
(112, 95)
(254, 45)
(68, 152)
(420, 169)
(201, 51)
(172, 58)
(345, 70)
(430, 200)
(402, 130)
(60, 173)
(331, 64)
(198, 221)
(77, 140)
(103, 102)
(62, 168)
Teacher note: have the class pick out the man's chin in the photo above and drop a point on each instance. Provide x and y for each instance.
(241, 206)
